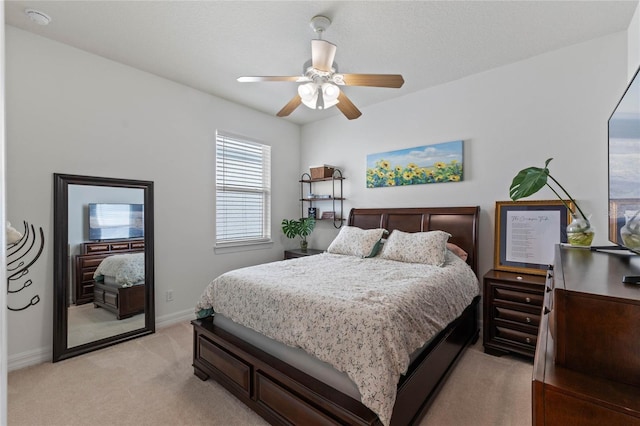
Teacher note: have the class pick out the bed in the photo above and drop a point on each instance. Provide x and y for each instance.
(119, 284)
(283, 392)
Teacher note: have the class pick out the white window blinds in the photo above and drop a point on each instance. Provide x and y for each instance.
(243, 191)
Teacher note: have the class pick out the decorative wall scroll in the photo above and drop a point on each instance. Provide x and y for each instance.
(21, 255)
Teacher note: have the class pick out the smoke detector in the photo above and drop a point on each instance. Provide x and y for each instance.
(38, 17)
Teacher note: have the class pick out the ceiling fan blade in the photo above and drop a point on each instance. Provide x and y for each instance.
(375, 80)
(347, 107)
(292, 105)
(322, 54)
(257, 79)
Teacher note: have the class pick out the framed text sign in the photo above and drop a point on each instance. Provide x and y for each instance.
(527, 232)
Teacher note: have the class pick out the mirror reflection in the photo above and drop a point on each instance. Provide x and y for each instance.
(103, 262)
(106, 248)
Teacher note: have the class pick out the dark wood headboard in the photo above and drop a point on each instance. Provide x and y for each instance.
(460, 222)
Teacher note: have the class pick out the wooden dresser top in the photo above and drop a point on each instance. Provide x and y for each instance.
(587, 271)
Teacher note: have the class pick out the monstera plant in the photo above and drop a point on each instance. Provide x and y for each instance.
(299, 228)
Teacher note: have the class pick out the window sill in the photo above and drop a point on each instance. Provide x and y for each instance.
(240, 247)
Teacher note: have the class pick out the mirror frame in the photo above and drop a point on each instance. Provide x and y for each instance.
(61, 264)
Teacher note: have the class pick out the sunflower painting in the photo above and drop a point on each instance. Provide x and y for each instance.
(412, 166)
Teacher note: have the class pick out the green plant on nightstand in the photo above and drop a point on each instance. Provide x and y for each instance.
(299, 228)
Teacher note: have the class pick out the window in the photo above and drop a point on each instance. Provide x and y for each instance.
(243, 191)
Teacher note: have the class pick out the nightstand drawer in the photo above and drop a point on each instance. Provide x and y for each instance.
(517, 316)
(516, 336)
(526, 298)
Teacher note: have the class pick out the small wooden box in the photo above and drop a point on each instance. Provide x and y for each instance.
(321, 172)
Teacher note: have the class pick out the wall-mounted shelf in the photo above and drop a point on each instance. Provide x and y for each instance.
(333, 184)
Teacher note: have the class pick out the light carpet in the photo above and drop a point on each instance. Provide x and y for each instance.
(150, 381)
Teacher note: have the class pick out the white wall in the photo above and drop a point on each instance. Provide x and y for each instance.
(554, 105)
(633, 44)
(73, 112)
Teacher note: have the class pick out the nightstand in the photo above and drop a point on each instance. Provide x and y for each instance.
(293, 253)
(511, 312)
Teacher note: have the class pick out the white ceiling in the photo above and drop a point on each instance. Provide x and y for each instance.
(208, 44)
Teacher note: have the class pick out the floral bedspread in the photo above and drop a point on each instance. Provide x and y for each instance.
(363, 316)
(127, 269)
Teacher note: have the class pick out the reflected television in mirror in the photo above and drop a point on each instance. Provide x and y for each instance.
(109, 221)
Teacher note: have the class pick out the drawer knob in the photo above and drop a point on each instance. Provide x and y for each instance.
(548, 289)
(527, 319)
(528, 340)
(546, 310)
(527, 299)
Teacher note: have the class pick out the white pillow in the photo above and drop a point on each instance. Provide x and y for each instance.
(354, 241)
(417, 247)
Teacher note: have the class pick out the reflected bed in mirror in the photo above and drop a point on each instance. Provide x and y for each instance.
(103, 281)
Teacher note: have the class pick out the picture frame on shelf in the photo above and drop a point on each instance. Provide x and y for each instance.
(526, 233)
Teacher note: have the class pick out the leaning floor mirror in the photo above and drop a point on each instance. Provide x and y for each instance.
(103, 263)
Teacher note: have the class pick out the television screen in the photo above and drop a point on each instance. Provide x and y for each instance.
(115, 221)
(624, 169)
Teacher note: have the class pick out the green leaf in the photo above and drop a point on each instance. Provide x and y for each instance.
(528, 181)
(298, 228)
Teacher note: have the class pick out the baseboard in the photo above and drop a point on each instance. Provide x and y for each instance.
(175, 318)
(41, 355)
(29, 358)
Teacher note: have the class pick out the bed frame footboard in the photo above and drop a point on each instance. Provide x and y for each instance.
(284, 395)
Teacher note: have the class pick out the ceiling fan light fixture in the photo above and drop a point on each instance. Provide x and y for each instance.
(330, 91)
(307, 91)
(319, 95)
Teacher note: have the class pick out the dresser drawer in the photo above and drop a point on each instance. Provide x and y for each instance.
(89, 262)
(119, 246)
(524, 297)
(96, 248)
(516, 316)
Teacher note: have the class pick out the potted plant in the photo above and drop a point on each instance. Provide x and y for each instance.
(299, 228)
(530, 180)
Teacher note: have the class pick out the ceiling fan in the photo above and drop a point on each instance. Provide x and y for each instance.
(321, 80)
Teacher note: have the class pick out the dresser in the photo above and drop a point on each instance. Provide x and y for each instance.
(511, 309)
(587, 362)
